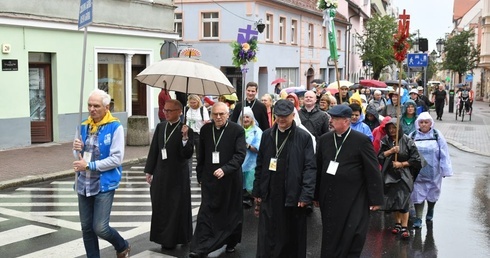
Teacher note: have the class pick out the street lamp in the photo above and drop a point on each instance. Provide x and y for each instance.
(433, 55)
(440, 45)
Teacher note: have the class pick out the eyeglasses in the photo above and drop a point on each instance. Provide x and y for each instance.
(169, 110)
(219, 114)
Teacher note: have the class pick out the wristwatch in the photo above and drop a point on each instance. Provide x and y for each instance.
(87, 167)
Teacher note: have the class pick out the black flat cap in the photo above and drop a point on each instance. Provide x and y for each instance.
(340, 111)
(283, 107)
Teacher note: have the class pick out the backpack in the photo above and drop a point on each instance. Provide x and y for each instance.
(436, 137)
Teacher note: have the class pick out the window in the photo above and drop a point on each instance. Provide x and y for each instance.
(268, 27)
(338, 39)
(178, 23)
(324, 36)
(111, 79)
(294, 25)
(310, 35)
(290, 74)
(282, 30)
(210, 25)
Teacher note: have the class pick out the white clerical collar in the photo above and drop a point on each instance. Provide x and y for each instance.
(173, 123)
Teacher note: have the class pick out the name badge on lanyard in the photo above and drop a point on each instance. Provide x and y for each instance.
(164, 153)
(215, 157)
(273, 164)
(332, 167)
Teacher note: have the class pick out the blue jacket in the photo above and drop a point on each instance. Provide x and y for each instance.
(360, 126)
(109, 164)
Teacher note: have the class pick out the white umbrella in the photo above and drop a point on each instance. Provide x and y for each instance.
(334, 85)
(186, 75)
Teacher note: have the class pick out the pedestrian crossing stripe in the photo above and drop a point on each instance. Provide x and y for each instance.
(51, 220)
(23, 233)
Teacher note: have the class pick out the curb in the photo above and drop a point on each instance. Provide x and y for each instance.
(465, 148)
(52, 176)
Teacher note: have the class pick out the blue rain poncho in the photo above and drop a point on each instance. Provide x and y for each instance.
(433, 147)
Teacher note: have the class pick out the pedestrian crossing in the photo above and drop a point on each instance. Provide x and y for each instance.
(41, 220)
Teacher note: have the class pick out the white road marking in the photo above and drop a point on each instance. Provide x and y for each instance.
(23, 233)
(151, 254)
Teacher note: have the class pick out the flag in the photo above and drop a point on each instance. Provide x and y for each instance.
(332, 33)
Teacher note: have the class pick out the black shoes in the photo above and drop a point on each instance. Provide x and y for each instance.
(196, 255)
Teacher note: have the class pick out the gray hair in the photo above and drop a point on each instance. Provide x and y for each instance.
(377, 92)
(106, 98)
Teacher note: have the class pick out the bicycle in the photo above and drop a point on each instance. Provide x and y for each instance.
(461, 112)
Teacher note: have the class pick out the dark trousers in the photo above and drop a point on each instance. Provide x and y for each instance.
(439, 108)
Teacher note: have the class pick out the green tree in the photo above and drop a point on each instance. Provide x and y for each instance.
(376, 44)
(460, 54)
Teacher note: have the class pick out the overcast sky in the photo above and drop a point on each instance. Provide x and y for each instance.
(433, 18)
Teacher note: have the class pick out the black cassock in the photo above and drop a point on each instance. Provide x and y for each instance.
(346, 196)
(220, 217)
(171, 219)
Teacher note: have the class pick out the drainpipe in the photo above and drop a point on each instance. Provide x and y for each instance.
(347, 43)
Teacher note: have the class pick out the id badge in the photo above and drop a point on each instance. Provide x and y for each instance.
(332, 167)
(164, 154)
(273, 164)
(87, 156)
(215, 157)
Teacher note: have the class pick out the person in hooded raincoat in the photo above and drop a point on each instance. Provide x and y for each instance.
(398, 175)
(409, 115)
(357, 121)
(372, 117)
(433, 147)
(379, 132)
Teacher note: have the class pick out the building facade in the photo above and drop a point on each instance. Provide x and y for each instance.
(42, 56)
(292, 46)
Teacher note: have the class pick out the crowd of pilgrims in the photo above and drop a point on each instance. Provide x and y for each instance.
(284, 157)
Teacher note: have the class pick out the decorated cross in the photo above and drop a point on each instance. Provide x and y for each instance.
(404, 24)
(244, 35)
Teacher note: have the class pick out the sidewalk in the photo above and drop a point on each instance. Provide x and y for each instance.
(44, 162)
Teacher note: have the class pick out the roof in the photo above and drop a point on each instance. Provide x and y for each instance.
(461, 7)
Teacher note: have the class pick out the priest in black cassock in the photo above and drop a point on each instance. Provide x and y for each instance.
(348, 186)
(222, 150)
(167, 172)
(258, 108)
(284, 185)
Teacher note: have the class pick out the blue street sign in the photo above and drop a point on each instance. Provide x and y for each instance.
(469, 78)
(85, 14)
(417, 60)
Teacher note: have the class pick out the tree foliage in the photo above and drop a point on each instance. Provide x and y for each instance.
(460, 54)
(376, 43)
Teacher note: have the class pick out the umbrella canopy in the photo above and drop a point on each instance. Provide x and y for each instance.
(317, 81)
(186, 75)
(232, 97)
(190, 52)
(299, 91)
(343, 83)
(332, 90)
(373, 83)
(395, 82)
(279, 80)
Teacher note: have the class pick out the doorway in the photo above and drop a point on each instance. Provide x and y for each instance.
(138, 89)
(40, 102)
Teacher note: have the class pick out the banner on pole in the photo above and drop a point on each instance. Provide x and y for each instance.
(85, 15)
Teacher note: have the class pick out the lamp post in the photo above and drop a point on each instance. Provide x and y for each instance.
(440, 45)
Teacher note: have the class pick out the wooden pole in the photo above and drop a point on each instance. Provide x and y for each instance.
(338, 81)
(398, 111)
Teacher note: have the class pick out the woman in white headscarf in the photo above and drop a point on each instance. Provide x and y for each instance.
(253, 134)
(433, 147)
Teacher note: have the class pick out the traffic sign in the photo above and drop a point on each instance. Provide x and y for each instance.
(469, 78)
(85, 13)
(417, 60)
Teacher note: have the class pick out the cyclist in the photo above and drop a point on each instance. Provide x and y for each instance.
(465, 96)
